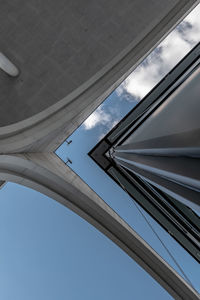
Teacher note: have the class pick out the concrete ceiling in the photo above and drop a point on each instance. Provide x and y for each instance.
(61, 45)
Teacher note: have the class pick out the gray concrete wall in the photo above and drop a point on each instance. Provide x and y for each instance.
(58, 45)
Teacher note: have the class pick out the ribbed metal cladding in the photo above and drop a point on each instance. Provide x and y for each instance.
(165, 149)
(178, 177)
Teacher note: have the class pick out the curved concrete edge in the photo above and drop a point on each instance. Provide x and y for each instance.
(47, 174)
(17, 137)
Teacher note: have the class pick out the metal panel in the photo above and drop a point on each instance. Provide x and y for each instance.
(150, 203)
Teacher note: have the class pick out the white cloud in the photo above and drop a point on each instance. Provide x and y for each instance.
(193, 33)
(110, 126)
(140, 81)
(173, 48)
(98, 117)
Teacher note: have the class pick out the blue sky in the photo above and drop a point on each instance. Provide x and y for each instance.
(48, 252)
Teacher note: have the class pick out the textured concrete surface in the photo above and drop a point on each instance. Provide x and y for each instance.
(58, 45)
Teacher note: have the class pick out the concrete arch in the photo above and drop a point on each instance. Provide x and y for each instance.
(47, 174)
(63, 117)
